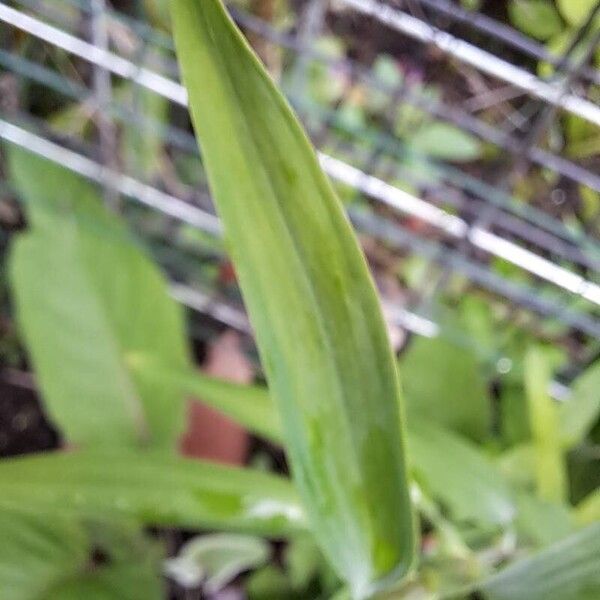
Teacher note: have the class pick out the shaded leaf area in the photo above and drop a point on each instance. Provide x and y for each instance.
(459, 475)
(86, 297)
(50, 557)
(154, 489)
(567, 570)
(318, 322)
(444, 383)
(579, 415)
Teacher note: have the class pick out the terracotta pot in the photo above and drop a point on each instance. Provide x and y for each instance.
(210, 435)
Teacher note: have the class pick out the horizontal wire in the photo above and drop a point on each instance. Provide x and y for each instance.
(482, 23)
(124, 184)
(478, 58)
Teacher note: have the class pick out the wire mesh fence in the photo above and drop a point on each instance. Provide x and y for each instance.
(442, 128)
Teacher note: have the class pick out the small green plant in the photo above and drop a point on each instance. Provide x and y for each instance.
(109, 352)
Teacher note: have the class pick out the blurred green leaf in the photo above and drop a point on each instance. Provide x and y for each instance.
(575, 12)
(567, 570)
(37, 553)
(303, 561)
(86, 296)
(580, 412)
(214, 560)
(446, 142)
(318, 323)
(443, 382)
(458, 475)
(536, 18)
(545, 427)
(50, 557)
(541, 522)
(154, 488)
(588, 510)
(269, 583)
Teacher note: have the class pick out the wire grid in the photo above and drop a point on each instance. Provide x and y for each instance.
(461, 222)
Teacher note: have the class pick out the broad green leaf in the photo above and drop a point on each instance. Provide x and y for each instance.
(443, 382)
(50, 557)
(318, 322)
(567, 570)
(580, 412)
(445, 141)
(537, 18)
(457, 474)
(545, 427)
(217, 559)
(154, 489)
(86, 297)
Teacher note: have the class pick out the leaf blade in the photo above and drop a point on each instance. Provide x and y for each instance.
(153, 488)
(320, 333)
(87, 296)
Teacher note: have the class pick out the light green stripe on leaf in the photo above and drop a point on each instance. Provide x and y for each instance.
(314, 308)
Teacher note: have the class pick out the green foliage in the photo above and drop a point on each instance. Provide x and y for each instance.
(46, 557)
(86, 298)
(456, 396)
(152, 488)
(317, 319)
(444, 141)
(458, 475)
(545, 427)
(580, 413)
(537, 18)
(567, 570)
(575, 12)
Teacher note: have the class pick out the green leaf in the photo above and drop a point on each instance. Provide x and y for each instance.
(314, 308)
(458, 475)
(217, 559)
(153, 488)
(446, 142)
(443, 382)
(545, 427)
(575, 12)
(50, 557)
(580, 412)
(537, 18)
(568, 570)
(87, 296)
(540, 522)
(588, 510)
(36, 553)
